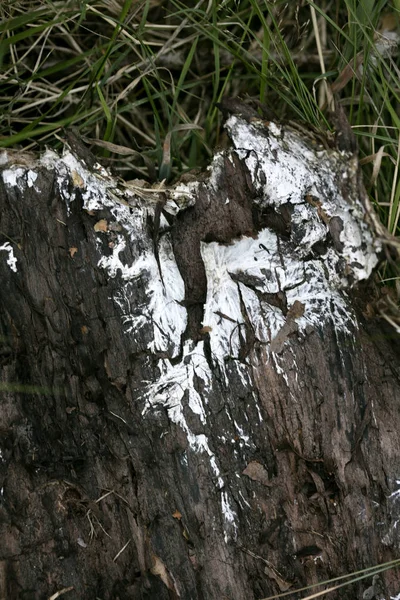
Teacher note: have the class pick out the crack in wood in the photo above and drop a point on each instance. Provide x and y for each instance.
(220, 214)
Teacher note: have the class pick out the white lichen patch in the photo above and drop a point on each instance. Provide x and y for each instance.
(240, 277)
(391, 533)
(181, 197)
(99, 190)
(161, 310)
(176, 383)
(12, 176)
(162, 307)
(285, 168)
(11, 259)
(31, 178)
(396, 494)
(229, 516)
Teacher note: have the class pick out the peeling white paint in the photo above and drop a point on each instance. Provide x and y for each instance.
(11, 260)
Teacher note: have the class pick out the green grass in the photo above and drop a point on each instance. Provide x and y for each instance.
(131, 73)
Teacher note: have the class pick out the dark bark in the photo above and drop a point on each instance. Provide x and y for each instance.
(154, 443)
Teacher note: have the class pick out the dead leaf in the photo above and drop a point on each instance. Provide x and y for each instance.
(101, 225)
(115, 148)
(272, 574)
(177, 515)
(296, 310)
(377, 160)
(77, 180)
(389, 22)
(161, 571)
(347, 74)
(206, 329)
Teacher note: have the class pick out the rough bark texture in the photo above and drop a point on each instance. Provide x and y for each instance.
(287, 475)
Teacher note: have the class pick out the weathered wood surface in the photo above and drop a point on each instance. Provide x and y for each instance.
(229, 431)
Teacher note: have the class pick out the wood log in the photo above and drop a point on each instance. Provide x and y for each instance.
(195, 403)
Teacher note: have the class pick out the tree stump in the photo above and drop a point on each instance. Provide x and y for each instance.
(194, 402)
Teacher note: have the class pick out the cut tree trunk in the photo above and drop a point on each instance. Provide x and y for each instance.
(194, 403)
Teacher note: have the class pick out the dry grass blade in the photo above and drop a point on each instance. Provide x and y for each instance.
(327, 92)
(61, 592)
(394, 210)
(351, 577)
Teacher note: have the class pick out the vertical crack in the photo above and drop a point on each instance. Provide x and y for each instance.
(223, 212)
